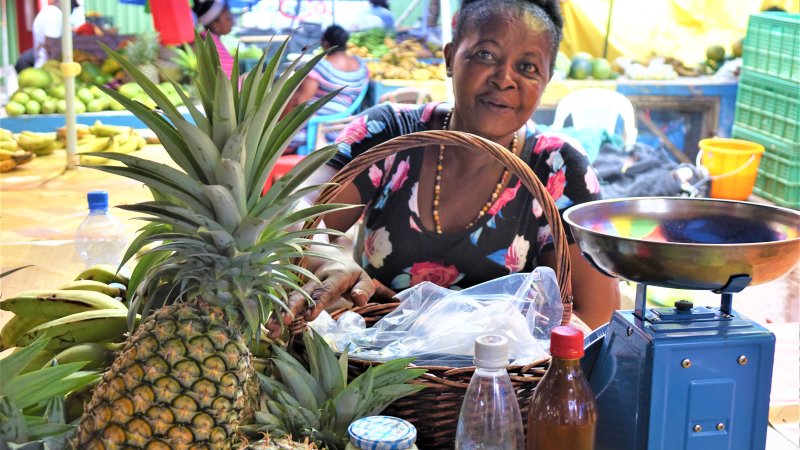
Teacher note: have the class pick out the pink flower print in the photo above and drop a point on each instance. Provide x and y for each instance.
(400, 175)
(592, 185)
(412, 201)
(537, 209)
(413, 224)
(517, 254)
(555, 184)
(543, 237)
(377, 247)
(355, 132)
(435, 272)
(555, 161)
(547, 142)
(387, 166)
(506, 196)
(427, 112)
(375, 175)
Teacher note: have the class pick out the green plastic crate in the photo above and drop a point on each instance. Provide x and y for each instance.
(781, 147)
(769, 105)
(781, 168)
(772, 45)
(778, 191)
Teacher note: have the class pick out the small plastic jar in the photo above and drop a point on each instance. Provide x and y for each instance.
(381, 433)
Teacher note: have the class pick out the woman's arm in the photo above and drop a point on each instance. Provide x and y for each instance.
(304, 93)
(596, 296)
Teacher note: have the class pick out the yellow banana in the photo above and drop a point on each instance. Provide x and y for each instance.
(141, 142)
(35, 142)
(101, 129)
(89, 160)
(99, 356)
(54, 304)
(6, 135)
(104, 273)
(16, 327)
(99, 325)
(6, 154)
(93, 285)
(95, 145)
(126, 143)
(9, 145)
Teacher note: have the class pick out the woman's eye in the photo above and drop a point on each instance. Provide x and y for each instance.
(483, 54)
(528, 69)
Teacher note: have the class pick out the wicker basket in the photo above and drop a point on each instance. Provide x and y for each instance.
(435, 410)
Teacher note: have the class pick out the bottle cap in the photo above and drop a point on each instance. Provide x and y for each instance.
(382, 433)
(566, 342)
(97, 199)
(491, 352)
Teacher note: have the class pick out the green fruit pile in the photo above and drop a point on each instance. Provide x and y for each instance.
(41, 91)
(583, 67)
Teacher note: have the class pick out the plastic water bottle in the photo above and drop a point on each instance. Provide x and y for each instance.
(490, 417)
(100, 238)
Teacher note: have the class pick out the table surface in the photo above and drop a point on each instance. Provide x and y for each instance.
(42, 205)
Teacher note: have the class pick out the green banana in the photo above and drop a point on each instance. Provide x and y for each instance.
(100, 325)
(104, 273)
(95, 145)
(16, 327)
(54, 304)
(99, 356)
(41, 359)
(125, 143)
(92, 285)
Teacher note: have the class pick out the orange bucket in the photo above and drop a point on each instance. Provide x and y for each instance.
(732, 165)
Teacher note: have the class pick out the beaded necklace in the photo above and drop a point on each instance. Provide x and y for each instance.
(437, 187)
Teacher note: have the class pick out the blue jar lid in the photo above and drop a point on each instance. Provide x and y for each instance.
(382, 433)
(97, 199)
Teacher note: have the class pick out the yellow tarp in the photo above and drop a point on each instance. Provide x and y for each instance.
(642, 28)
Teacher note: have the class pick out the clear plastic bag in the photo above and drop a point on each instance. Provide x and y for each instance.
(438, 326)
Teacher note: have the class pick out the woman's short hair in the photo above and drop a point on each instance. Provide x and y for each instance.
(207, 11)
(474, 12)
(336, 36)
(380, 3)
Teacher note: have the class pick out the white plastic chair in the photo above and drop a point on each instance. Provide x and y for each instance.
(597, 108)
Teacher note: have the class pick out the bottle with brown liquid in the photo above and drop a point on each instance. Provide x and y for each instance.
(563, 412)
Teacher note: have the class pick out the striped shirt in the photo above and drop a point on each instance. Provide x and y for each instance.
(330, 78)
(225, 57)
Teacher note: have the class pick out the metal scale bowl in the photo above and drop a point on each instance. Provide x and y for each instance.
(686, 377)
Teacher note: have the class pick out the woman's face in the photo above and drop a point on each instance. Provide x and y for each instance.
(499, 73)
(223, 24)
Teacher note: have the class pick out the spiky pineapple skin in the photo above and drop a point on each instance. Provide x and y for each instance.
(184, 380)
(280, 444)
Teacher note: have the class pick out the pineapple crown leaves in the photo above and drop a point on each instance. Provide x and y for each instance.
(208, 220)
(317, 402)
(21, 394)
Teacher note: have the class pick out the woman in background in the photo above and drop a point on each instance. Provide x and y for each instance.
(337, 70)
(216, 18)
(380, 8)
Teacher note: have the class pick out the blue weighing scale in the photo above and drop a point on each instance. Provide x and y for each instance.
(693, 377)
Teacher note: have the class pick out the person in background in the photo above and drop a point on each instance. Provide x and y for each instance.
(216, 18)
(48, 24)
(456, 216)
(380, 8)
(337, 70)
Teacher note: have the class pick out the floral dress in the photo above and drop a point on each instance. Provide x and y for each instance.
(400, 252)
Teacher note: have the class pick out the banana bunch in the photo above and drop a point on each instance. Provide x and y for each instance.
(7, 141)
(83, 319)
(41, 144)
(10, 159)
(107, 138)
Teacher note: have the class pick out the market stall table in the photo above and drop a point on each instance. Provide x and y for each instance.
(42, 206)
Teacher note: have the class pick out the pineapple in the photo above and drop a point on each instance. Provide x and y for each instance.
(319, 404)
(221, 265)
(143, 53)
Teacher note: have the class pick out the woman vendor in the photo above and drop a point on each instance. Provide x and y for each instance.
(216, 18)
(456, 216)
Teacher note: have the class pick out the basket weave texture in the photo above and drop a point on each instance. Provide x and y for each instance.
(435, 410)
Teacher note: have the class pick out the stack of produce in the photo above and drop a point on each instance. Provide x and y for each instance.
(584, 66)
(220, 265)
(401, 62)
(11, 155)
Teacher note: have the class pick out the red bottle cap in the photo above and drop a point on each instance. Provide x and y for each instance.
(566, 342)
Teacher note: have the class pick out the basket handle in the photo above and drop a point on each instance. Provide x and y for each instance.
(457, 138)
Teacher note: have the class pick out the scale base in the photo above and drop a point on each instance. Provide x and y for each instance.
(683, 384)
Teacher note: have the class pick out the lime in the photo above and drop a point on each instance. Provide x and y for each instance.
(33, 107)
(715, 53)
(20, 97)
(49, 106)
(61, 106)
(80, 108)
(96, 105)
(601, 69)
(58, 91)
(115, 105)
(85, 95)
(15, 109)
(38, 94)
(737, 48)
(582, 55)
(32, 77)
(580, 69)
